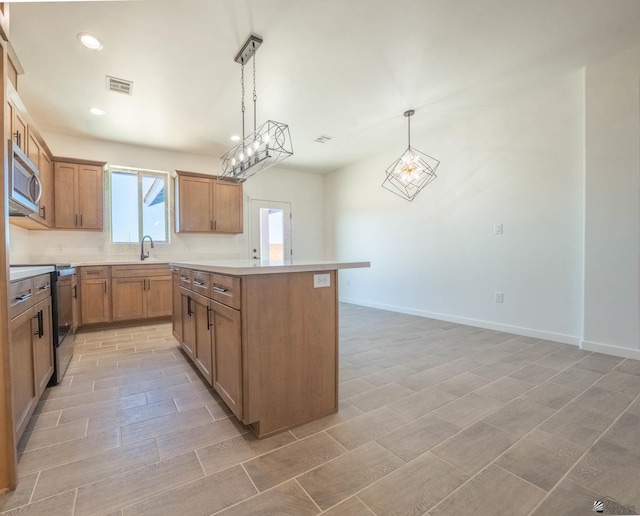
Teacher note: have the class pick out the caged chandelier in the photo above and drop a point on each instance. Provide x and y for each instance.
(412, 171)
(266, 145)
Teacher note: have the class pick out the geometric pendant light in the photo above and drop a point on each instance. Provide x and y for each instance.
(412, 171)
(267, 145)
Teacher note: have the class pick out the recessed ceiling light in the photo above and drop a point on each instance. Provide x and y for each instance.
(97, 111)
(89, 41)
(235, 138)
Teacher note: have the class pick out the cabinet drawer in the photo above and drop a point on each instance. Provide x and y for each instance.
(139, 271)
(226, 290)
(94, 272)
(201, 282)
(21, 297)
(41, 287)
(185, 277)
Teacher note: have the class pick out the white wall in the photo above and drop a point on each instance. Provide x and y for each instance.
(302, 189)
(518, 162)
(612, 222)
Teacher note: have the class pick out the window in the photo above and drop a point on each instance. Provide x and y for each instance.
(138, 205)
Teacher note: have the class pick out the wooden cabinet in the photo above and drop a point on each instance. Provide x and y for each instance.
(31, 346)
(79, 195)
(75, 309)
(95, 294)
(176, 315)
(17, 125)
(206, 205)
(274, 344)
(45, 214)
(141, 291)
(227, 355)
(212, 332)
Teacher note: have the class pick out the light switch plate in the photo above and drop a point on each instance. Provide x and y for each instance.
(321, 280)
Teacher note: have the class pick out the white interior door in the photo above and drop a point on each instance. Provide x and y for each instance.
(270, 230)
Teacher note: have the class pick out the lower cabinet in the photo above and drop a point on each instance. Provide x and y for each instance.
(227, 355)
(125, 292)
(212, 339)
(31, 348)
(176, 316)
(95, 294)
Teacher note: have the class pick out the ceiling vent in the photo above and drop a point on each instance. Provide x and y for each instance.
(119, 85)
(323, 138)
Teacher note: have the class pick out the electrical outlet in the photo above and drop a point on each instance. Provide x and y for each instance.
(499, 297)
(60, 248)
(497, 229)
(321, 280)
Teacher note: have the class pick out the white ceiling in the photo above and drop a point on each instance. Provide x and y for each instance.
(343, 68)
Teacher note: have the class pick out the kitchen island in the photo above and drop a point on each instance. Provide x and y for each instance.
(264, 335)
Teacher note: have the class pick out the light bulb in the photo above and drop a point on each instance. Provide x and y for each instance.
(233, 162)
(249, 152)
(89, 41)
(241, 156)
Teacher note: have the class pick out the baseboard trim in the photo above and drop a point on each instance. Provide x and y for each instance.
(610, 350)
(488, 325)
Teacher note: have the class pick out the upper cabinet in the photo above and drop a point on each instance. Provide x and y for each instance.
(206, 205)
(79, 194)
(25, 135)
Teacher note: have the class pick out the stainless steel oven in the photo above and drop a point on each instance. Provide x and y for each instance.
(64, 292)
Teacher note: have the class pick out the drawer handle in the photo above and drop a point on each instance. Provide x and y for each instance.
(220, 289)
(198, 283)
(44, 287)
(185, 279)
(23, 297)
(209, 323)
(93, 272)
(173, 269)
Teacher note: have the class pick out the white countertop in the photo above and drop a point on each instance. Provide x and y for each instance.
(19, 273)
(250, 267)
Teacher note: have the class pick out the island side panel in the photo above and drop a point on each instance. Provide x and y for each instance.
(291, 350)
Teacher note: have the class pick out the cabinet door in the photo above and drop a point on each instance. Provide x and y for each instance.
(33, 149)
(95, 299)
(227, 356)
(65, 216)
(43, 345)
(129, 298)
(23, 384)
(90, 196)
(176, 318)
(194, 204)
(227, 207)
(18, 127)
(159, 299)
(46, 200)
(188, 323)
(202, 351)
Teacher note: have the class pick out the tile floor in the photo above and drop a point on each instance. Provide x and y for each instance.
(435, 418)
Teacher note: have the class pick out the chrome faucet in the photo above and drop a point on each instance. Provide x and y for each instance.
(142, 255)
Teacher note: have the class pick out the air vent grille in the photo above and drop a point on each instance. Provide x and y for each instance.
(323, 138)
(119, 85)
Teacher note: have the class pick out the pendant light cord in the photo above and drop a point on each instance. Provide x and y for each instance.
(242, 81)
(409, 130)
(255, 96)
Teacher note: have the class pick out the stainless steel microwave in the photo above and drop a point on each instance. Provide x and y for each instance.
(25, 188)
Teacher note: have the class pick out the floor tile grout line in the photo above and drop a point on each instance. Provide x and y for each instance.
(308, 495)
(635, 400)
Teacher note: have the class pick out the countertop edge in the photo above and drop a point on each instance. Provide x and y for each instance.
(258, 268)
(22, 273)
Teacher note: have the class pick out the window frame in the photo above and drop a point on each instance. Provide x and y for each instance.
(140, 173)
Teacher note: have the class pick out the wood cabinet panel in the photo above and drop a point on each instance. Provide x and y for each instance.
(188, 342)
(202, 353)
(95, 299)
(129, 298)
(43, 345)
(90, 199)
(227, 356)
(194, 207)
(159, 301)
(23, 384)
(45, 166)
(64, 175)
(176, 315)
(227, 197)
